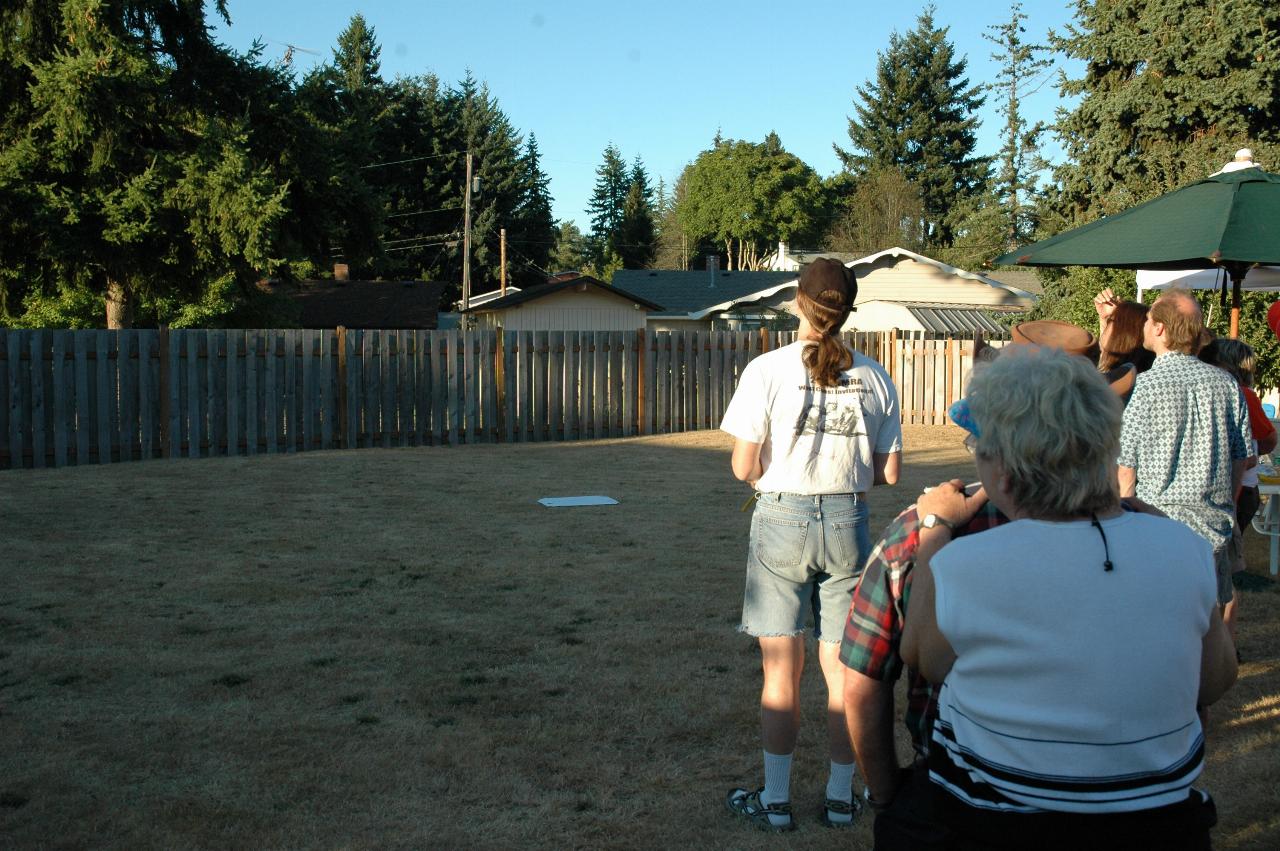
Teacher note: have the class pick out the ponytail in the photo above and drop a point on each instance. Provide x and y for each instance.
(828, 356)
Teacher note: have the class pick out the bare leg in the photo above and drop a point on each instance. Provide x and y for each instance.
(837, 729)
(783, 661)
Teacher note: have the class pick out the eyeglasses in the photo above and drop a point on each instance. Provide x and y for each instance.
(971, 444)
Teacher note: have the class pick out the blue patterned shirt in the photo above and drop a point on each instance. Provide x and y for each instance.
(1183, 427)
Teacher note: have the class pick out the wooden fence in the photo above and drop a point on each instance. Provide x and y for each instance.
(90, 397)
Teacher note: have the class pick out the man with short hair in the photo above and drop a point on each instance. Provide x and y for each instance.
(1186, 432)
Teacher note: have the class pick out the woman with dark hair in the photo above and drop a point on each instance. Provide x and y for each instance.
(1120, 335)
(815, 425)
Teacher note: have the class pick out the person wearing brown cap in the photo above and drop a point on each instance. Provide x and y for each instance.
(815, 426)
(1186, 432)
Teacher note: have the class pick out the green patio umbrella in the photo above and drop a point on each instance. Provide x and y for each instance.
(1230, 220)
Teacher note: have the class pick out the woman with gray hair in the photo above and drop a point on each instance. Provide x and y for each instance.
(1073, 644)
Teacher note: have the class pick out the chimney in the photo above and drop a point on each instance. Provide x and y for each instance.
(340, 272)
(713, 266)
(782, 257)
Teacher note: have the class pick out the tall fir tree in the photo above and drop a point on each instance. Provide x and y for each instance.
(919, 115)
(1019, 164)
(533, 233)
(127, 164)
(1170, 90)
(348, 98)
(606, 205)
(637, 236)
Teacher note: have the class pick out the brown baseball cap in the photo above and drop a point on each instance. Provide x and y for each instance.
(830, 283)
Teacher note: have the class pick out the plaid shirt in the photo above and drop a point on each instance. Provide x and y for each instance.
(873, 631)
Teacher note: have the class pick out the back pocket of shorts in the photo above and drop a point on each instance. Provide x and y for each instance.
(779, 542)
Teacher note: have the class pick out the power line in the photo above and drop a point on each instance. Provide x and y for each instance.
(410, 160)
(453, 234)
(424, 212)
(422, 245)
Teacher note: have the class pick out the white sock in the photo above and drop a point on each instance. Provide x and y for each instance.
(840, 787)
(777, 782)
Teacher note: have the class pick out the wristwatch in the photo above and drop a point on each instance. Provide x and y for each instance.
(931, 520)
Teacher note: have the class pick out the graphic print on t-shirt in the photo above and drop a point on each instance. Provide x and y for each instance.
(840, 416)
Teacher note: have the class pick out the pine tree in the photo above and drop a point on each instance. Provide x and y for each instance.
(570, 253)
(533, 234)
(1169, 92)
(1019, 164)
(637, 236)
(127, 163)
(919, 115)
(607, 202)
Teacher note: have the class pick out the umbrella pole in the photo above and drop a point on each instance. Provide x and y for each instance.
(1237, 271)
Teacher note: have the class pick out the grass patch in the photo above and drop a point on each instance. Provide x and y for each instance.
(356, 649)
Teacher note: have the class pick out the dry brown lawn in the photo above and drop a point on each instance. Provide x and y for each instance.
(402, 648)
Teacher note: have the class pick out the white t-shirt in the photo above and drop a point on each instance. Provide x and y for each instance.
(814, 440)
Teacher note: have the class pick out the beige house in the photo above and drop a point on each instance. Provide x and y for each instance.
(578, 304)
(901, 289)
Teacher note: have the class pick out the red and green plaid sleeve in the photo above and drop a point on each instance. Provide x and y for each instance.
(874, 625)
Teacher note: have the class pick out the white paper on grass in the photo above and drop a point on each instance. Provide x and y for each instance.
(574, 501)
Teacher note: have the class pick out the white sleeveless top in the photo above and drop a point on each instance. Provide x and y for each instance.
(1074, 688)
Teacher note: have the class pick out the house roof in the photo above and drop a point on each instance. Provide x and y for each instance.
(1027, 280)
(685, 293)
(511, 299)
(949, 317)
(788, 279)
(411, 305)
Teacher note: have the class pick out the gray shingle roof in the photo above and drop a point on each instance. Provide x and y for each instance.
(686, 292)
(1023, 279)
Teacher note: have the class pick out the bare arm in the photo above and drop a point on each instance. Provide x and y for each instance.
(887, 466)
(1267, 445)
(1217, 661)
(924, 647)
(1128, 480)
(868, 713)
(1238, 466)
(746, 460)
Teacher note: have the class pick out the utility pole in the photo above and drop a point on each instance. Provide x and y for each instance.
(466, 240)
(502, 273)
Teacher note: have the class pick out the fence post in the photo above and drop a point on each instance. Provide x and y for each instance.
(166, 435)
(499, 383)
(342, 387)
(641, 350)
(764, 340)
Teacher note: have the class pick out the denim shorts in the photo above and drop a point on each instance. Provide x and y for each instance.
(806, 554)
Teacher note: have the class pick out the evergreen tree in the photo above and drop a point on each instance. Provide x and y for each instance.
(349, 100)
(919, 115)
(607, 202)
(672, 250)
(1170, 90)
(127, 165)
(534, 231)
(571, 252)
(1019, 164)
(637, 235)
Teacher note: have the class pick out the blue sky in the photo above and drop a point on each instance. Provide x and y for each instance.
(657, 78)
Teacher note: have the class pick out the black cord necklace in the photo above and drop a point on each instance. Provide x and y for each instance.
(1106, 551)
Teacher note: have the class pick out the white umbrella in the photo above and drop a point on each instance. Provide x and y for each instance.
(1259, 279)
